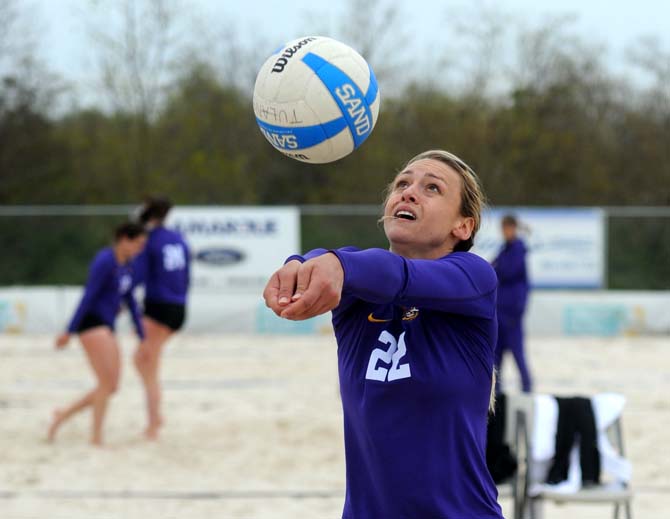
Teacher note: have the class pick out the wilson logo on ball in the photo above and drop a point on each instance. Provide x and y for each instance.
(322, 106)
(287, 54)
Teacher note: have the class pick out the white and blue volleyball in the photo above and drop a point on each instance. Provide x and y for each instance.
(316, 99)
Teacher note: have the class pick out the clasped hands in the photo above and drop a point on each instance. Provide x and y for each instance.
(298, 291)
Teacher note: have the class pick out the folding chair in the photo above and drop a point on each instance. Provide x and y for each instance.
(618, 494)
(519, 409)
(499, 454)
(514, 436)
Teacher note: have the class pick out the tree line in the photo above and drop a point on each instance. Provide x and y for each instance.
(565, 130)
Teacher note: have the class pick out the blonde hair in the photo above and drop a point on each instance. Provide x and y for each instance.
(472, 196)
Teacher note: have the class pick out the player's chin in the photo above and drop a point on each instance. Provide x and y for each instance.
(400, 226)
(400, 234)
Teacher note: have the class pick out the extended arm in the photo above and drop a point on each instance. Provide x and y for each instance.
(131, 303)
(288, 284)
(459, 283)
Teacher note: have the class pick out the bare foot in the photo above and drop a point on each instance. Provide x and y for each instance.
(56, 421)
(96, 442)
(151, 432)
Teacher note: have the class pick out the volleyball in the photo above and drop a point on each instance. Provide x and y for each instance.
(316, 99)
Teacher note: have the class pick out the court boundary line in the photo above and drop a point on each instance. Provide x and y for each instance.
(219, 495)
(212, 495)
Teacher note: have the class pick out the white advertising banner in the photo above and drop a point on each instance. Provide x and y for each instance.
(236, 249)
(566, 247)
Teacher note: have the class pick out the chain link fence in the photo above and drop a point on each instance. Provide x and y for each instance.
(53, 245)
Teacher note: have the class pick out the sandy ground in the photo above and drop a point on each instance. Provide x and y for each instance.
(254, 428)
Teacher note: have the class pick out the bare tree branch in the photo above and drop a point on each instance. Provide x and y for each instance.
(373, 28)
(649, 56)
(135, 56)
(479, 35)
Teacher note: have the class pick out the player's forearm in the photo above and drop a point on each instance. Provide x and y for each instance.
(131, 303)
(82, 308)
(448, 285)
(374, 275)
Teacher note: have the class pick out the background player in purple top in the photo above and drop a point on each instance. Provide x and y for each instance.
(109, 283)
(164, 270)
(416, 330)
(510, 267)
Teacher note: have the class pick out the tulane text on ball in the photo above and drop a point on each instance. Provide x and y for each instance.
(316, 99)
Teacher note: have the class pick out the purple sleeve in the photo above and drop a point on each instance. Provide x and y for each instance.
(347, 298)
(131, 303)
(460, 283)
(510, 265)
(100, 269)
(315, 253)
(307, 256)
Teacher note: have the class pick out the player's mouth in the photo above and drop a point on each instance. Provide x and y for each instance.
(405, 214)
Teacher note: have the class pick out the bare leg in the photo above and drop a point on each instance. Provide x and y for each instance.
(104, 357)
(147, 361)
(62, 415)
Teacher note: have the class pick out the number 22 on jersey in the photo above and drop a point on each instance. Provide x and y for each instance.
(395, 352)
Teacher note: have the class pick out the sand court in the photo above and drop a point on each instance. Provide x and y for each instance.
(254, 427)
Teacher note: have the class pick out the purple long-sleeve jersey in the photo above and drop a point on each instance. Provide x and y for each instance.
(108, 284)
(415, 356)
(510, 267)
(164, 267)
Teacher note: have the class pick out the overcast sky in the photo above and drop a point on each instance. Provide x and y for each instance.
(615, 24)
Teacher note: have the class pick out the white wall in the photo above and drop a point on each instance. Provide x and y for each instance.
(550, 312)
(49, 309)
(599, 312)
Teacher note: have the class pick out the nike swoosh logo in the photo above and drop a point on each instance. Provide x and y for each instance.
(373, 319)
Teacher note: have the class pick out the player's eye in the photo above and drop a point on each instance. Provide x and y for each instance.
(401, 184)
(433, 187)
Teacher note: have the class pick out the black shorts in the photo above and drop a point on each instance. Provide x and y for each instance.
(91, 321)
(169, 314)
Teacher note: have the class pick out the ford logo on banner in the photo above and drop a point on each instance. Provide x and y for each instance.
(219, 256)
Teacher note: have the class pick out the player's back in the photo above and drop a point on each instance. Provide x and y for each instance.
(164, 267)
(513, 285)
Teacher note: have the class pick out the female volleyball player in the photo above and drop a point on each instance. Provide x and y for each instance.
(416, 330)
(109, 282)
(510, 267)
(164, 270)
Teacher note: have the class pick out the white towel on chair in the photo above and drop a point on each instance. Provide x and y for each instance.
(607, 407)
